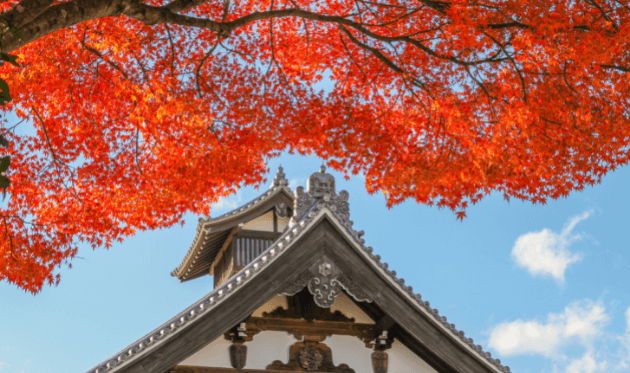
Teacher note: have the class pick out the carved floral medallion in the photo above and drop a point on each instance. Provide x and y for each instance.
(310, 356)
(311, 359)
(325, 281)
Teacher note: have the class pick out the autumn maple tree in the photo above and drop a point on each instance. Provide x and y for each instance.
(142, 111)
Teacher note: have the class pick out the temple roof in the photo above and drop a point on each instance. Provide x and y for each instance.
(213, 232)
(320, 230)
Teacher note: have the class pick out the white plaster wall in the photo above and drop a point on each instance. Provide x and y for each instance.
(347, 306)
(265, 348)
(269, 346)
(342, 303)
(272, 304)
(352, 351)
(262, 351)
(213, 355)
(402, 360)
(262, 223)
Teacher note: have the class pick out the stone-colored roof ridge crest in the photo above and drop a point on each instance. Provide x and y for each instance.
(323, 200)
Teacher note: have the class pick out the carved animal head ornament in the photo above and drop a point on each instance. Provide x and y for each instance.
(320, 184)
(320, 189)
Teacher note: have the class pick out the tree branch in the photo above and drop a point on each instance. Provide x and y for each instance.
(26, 11)
(620, 68)
(112, 64)
(374, 51)
(170, 39)
(63, 15)
(513, 64)
(178, 6)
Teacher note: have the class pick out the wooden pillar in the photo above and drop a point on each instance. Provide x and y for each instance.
(238, 350)
(379, 356)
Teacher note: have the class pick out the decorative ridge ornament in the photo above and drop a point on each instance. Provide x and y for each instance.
(320, 190)
(324, 281)
(280, 179)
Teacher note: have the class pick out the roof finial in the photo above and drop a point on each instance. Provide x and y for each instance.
(280, 179)
(320, 191)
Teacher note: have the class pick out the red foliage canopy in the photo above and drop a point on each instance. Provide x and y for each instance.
(146, 110)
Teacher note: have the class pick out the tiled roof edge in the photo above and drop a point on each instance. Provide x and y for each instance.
(278, 182)
(183, 319)
(203, 222)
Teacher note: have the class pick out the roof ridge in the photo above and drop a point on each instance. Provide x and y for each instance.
(336, 206)
(278, 181)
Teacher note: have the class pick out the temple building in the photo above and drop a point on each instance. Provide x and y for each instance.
(297, 290)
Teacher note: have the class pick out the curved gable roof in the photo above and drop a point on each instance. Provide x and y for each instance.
(323, 230)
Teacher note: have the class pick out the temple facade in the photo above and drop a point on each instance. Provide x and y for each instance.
(297, 290)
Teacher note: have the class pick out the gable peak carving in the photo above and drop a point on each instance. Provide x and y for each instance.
(320, 190)
(325, 281)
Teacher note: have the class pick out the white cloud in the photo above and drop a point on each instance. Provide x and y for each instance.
(546, 253)
(580, 322)
(225, 204)
(586, 364)
(294, 183)
(624, 352)
(3, 364)
(525, 337)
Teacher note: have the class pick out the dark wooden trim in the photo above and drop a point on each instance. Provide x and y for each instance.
(312, 329)
(303, 306)
(421, 335)
(248, 233)
(224, 247)
(202, 268)
(275, 221)
(310, 356)
(196, 369)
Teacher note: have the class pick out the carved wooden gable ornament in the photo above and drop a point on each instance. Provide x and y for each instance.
(316, 258)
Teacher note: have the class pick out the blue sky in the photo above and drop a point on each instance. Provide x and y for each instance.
(544, 288)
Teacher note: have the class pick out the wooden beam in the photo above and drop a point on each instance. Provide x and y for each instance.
(225, 246)
(249, 233)
(253, 213)
(316, 328)
(275, 220)
(196, 369)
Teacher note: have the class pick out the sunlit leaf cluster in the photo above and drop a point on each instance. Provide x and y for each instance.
(160, 108)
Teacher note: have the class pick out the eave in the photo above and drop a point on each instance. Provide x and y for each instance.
(213, 232)
(319, 233)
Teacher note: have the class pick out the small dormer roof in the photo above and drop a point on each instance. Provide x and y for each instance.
(213, 232)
